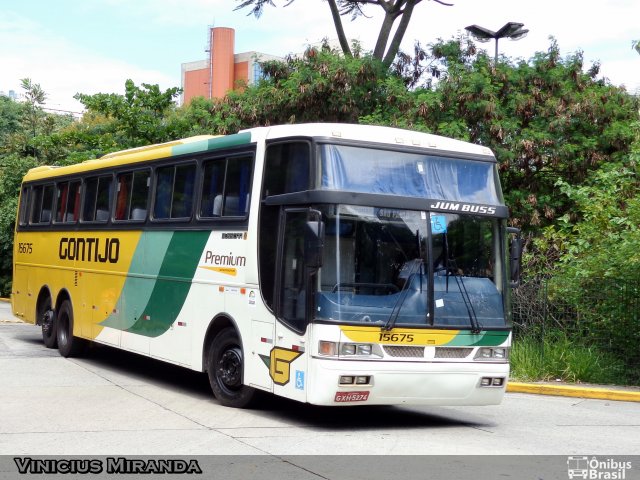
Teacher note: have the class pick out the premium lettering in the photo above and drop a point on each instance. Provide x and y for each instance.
(89, 249)
(224, 260)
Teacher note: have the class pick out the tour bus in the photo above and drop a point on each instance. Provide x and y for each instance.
(332, 264)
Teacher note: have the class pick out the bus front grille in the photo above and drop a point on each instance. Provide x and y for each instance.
(452, 352)
(404, 351)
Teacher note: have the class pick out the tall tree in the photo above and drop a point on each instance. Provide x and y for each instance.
(387, 46)
(139, 116)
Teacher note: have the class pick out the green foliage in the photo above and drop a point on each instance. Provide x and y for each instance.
(545, 119)
(320, 87)
(596, 259)
(12, 169)
(139, 117)
(560, 357)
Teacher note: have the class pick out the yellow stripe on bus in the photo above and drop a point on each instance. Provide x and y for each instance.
(401, 336)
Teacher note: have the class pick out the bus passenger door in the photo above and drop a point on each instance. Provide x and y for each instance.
(289, 356)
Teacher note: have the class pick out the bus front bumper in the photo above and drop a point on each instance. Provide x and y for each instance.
(406, 383)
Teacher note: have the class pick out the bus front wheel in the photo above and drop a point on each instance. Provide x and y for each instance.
(68, 345)
(225, 367)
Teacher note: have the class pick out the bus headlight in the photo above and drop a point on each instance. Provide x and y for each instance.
(495, 354)
(334, 349)
(356, 349)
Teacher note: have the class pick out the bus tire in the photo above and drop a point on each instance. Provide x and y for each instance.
(48, 323)
(68, 345)
(225, 368)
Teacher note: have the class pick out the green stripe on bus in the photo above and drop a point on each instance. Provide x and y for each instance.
(483, 339)
(229, 141)
(173, 284)
(212, 144)
(143, 271)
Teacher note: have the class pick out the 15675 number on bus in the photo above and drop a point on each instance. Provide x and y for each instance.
(395, 337)
(25, 247)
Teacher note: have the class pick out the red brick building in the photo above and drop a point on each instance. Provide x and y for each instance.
(224, 70)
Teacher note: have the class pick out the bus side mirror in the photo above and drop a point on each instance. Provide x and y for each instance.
(313, 243)
(515, 255)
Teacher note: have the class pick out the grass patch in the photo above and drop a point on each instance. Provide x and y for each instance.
(560, 357)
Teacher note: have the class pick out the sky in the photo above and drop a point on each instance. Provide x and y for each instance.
(91, 46)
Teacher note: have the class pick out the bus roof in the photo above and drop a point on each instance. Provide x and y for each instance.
(202, 143)
(372, 134)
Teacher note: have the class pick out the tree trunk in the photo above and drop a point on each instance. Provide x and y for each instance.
(337, 21)
(383, 36)
(397, 37)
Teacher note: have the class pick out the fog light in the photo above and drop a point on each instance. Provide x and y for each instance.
(362, 380)
(346, 380)
(485, 382)
(497, 382)
(327, 348)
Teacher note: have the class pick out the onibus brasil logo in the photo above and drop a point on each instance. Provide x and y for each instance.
(596, 469)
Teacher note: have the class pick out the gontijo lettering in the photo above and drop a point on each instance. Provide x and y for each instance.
(89, 249)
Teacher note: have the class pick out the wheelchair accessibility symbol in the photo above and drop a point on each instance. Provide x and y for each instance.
(438, 224)
(299, 380)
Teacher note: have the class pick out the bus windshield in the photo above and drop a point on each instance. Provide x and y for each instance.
(390, 266)
(408, 174)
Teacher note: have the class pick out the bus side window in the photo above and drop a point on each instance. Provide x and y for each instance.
(72, 212)
(68, 202)
(62, 194)
(103, 200)
(226, 189)
(287, 167)
(89, 203)
(164, 185)
(213, 188)
(97, 198)
(236, 187)
(24, 205)
(123, 195)
(140, 195)
(174, 192)
(183, 187)
(132, 195)
(42, 204)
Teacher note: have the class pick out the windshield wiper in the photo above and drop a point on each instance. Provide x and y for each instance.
(473, 319)
(415, 266)
(452, 269)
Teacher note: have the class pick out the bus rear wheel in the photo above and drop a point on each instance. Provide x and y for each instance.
(68, 345)
(47, 320)
(225, 368)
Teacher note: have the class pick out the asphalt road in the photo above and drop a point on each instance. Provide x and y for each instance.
(114, 402)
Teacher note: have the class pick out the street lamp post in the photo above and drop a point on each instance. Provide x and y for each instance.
(511, 30)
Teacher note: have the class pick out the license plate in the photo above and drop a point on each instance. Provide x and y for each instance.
(351, 397)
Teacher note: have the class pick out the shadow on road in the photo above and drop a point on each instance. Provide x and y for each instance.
(196, 384)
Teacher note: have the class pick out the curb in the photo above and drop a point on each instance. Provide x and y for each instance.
(581, 392)
(2, 299)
